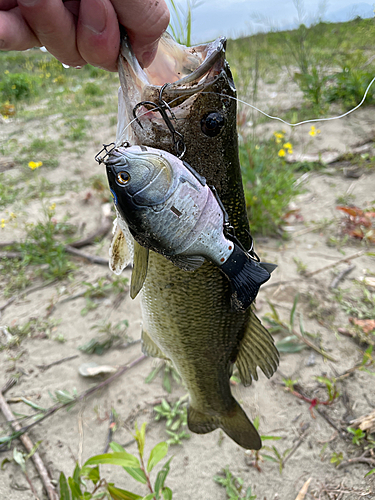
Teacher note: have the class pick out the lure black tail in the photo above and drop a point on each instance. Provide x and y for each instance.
(245, 277)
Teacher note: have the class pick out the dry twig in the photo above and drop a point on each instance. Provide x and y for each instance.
(302, 493)
(336, 280)
(26, 441)
(334, 264)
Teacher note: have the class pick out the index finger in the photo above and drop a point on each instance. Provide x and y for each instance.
(55, 27)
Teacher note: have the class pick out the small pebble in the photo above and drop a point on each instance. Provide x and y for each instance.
(311, 360)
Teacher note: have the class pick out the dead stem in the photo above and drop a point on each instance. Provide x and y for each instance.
(334, 264)
(26, 441)
(82, 396)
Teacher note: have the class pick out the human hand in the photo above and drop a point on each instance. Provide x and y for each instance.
(83, 31)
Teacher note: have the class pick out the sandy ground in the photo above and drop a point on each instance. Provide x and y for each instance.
(77, 434)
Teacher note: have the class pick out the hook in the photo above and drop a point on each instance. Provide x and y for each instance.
(100, 159)
(163, 107)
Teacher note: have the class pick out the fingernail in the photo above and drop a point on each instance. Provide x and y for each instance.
(95, 17)
(28, 3)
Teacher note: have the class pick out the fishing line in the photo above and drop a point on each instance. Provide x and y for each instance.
(276, 118)
(314, 120)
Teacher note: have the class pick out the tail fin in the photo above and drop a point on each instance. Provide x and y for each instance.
(245, 277)
(235, 423)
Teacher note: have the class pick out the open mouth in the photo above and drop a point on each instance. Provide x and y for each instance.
(187, 70)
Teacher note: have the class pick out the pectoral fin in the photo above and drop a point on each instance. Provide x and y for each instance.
(256, 349)
(140, 265)
(119, 254)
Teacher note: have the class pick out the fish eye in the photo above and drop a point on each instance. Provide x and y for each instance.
(122, 178)
(212, 123)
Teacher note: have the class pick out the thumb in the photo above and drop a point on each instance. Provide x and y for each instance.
(145, 21)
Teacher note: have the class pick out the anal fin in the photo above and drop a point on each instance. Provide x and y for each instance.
(150, 348)
(140, 265)
(257, 349)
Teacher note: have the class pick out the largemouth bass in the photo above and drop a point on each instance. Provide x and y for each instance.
(169, 208)
(187, 316)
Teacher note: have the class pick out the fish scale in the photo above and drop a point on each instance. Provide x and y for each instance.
(187, 315)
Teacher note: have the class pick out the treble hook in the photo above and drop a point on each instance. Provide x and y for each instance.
(100, 159)
(163, 107)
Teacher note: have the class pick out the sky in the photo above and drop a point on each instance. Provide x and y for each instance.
(234, 18)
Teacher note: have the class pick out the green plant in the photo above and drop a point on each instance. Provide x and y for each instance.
(233, 486)
(77, 486)
(268, 182)
(41, 247)
(176, 419)
(358, 435)
(111, 335)
(168, 372)
(181, 20)
(337, 458)
(17, 86)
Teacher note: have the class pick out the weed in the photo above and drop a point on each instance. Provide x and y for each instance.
(358, 435)
(176, 419)
(32, 328)
(269, 184)
(134, 466)
(301, 267)
(233, 486)
(337, 458)
(360, 305)
(42, 248)
(169, 373)
(17, 86)
(76, 129)
(111, 335)
(101, 289)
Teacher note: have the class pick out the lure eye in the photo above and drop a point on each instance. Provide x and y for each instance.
(212, 123)
(122, 178)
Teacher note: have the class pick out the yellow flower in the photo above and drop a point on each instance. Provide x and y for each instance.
(53, 206)
(35, 164)
(287, 145)
(278, 135)
(6, 72)
(290, 151)
(2, 223)
(314, 131)
(281, 153)
(14, 87)
(12, 215)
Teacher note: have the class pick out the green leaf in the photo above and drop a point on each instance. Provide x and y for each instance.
(275, 438)
(140, 436)
(167, 493)
(123, 459)
(77, 474)
(33, 449)
(290, 345)
(160, 478)
(64, 489)
(75, 489)
(5, 461)
(157, 454)
(119, 494)
(116, 447)
(372, 471)
(137, 474)
(150, 496)
(150, 377)
(19, 458)
(91, 473)
(167, 383)
(293, 312)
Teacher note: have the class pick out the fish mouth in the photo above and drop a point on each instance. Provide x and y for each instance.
(187, 71)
